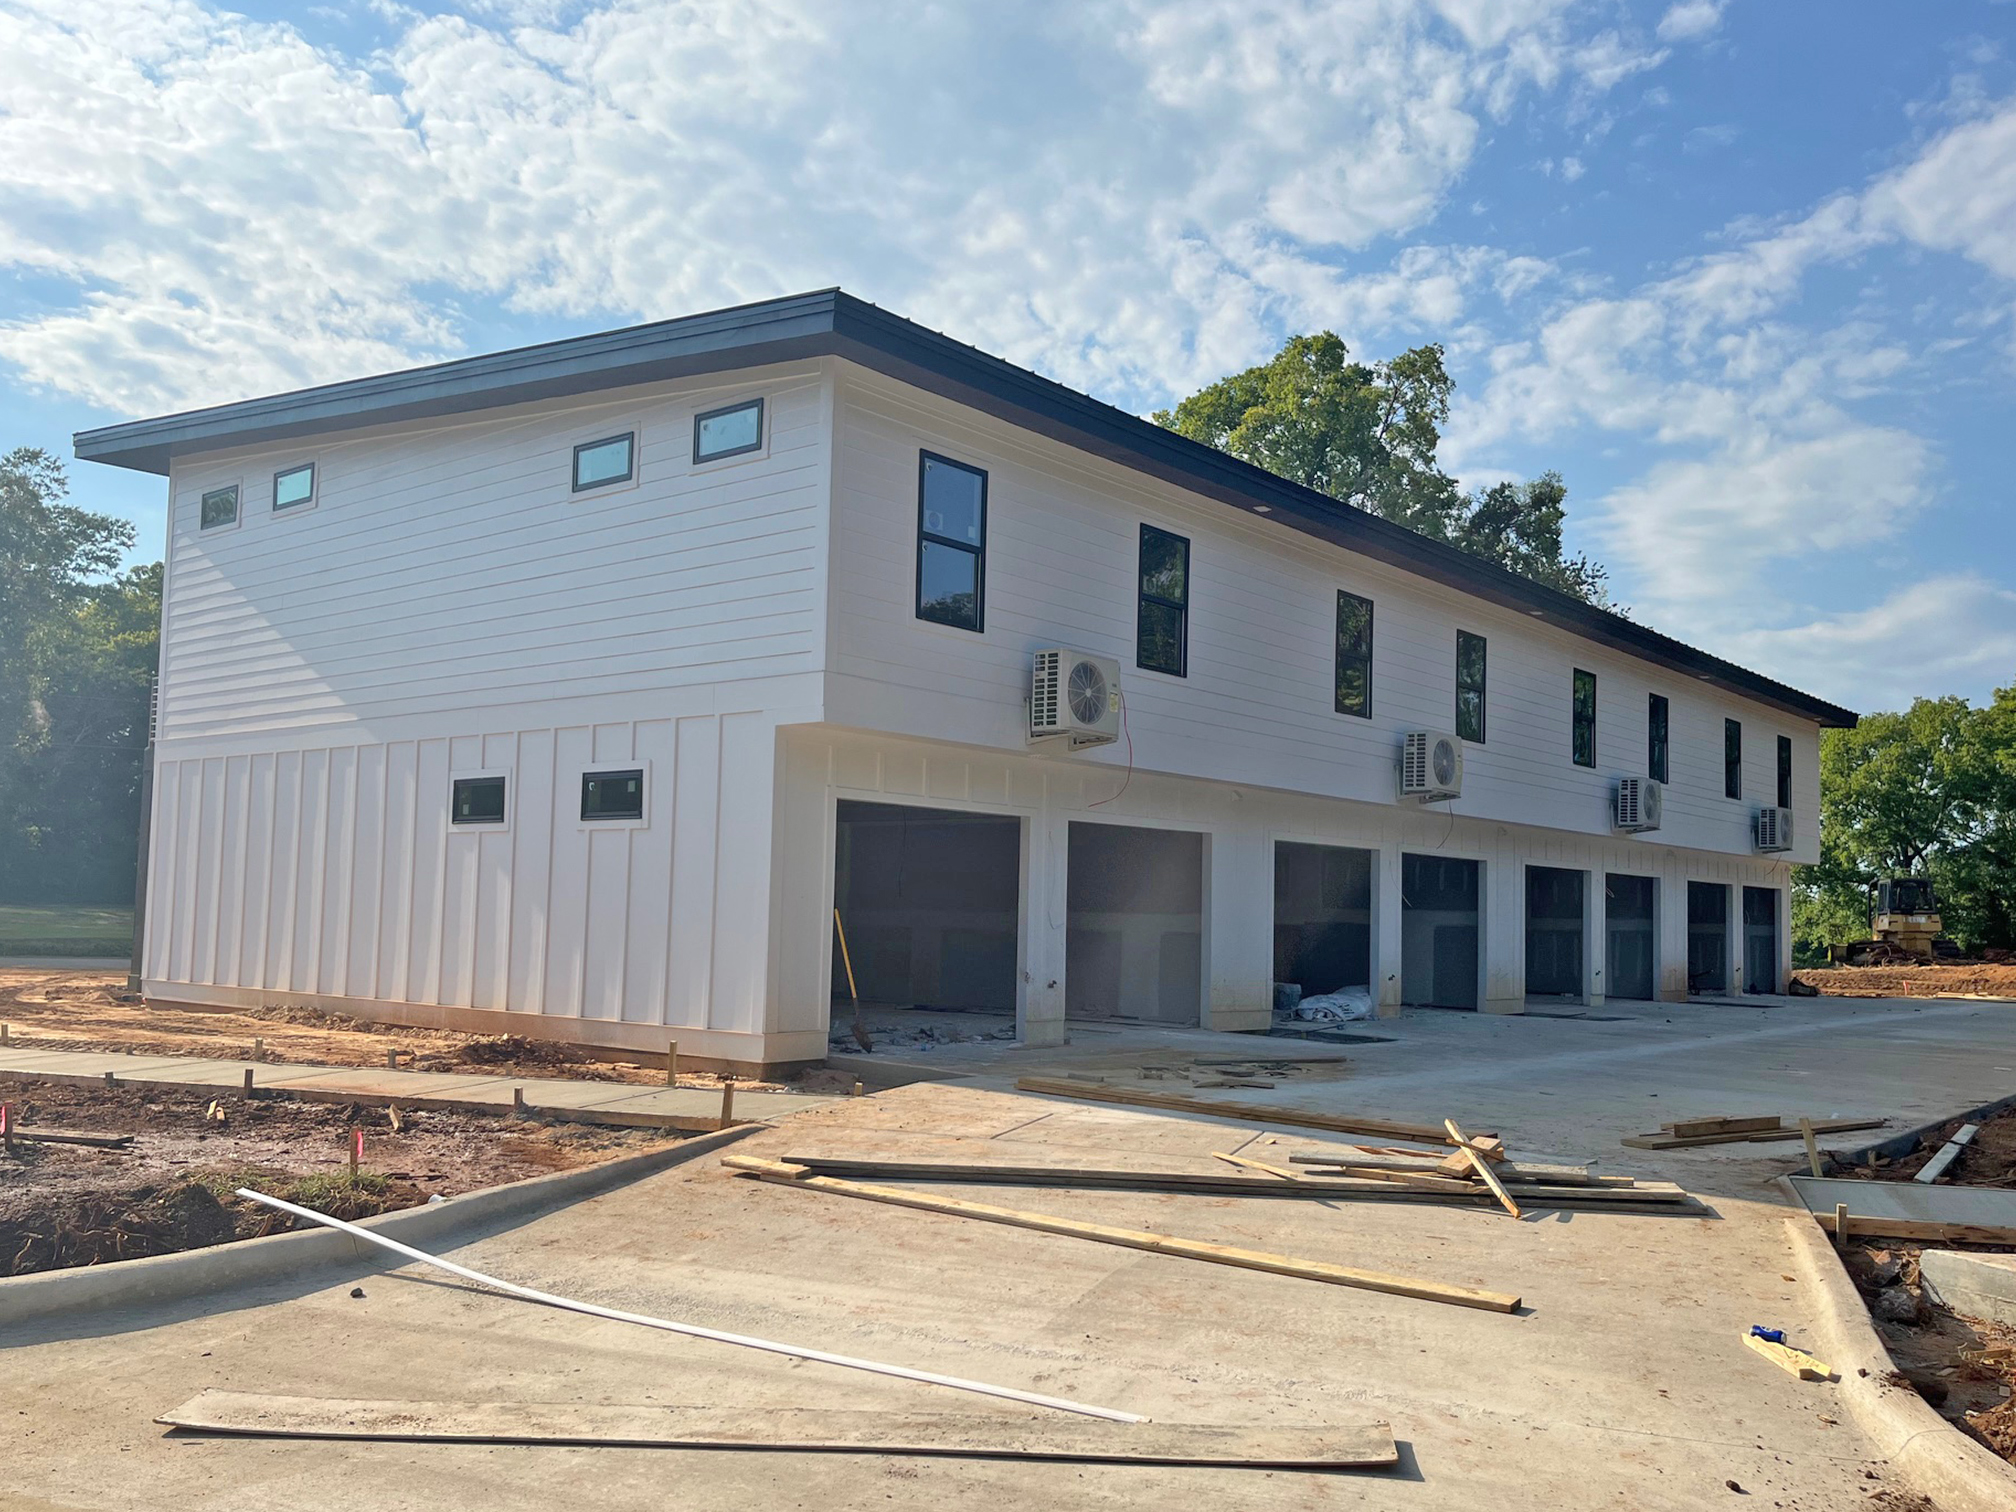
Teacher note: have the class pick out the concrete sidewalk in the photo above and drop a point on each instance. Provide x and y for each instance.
(686, 1108)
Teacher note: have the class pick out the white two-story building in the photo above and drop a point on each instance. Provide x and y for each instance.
(572, 691)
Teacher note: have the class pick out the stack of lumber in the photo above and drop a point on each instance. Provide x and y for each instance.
(1758, 1129)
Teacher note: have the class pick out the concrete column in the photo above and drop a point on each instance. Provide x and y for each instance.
(1504, 934)
(1387, 908)
(1239, 931)
(1039, 1005)
(1670, 909)
(1785, 937)
(1595, 936)
(1734, 941)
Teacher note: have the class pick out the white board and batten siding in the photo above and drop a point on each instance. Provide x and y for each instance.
(1258, 704)
(449, 606)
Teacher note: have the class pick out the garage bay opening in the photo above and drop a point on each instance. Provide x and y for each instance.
(929, 903)
(1323, 919)
(1629, 969)
(1554, 932)
(1439, 957)
(1134, 931)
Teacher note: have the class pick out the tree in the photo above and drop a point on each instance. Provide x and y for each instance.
(77, 652)
(1367, 434)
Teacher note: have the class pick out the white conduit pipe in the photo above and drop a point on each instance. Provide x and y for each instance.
(692, 1330)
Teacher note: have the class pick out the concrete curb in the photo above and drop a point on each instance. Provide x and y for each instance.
(94, 1289)
(1935, 1458)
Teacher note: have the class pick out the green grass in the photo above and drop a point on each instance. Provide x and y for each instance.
(65, 929)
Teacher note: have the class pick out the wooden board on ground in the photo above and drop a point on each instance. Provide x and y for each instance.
(1237, 1112)
(1687, 1128)
(54, 1136)
(1471, 1153)
(1949, 1152)
(1161, 1244)
(1666, 1141)
(791, 1430)
(1510, 1171)
(1786, 1358)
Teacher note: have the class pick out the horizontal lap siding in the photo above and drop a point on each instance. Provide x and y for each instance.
(1257, 706)
(452, 567)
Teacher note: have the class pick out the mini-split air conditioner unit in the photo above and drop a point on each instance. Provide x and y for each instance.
(1075, 698)
(1431, 766)
(1774, 829)
(1640, 800)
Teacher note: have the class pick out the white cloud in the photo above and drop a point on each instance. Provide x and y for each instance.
(1690, 19)
(1130, 196)
(1959, 195)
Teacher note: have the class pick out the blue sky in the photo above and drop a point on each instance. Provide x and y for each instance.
(1743, 271)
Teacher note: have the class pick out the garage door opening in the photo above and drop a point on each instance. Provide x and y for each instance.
(1439, 957)
(1707, 937)
(929, 903)
(1760, 939)
(1554, 901)
(1630, 966)
(1134, 928)
(1322, 917)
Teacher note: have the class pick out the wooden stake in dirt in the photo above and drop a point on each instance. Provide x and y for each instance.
(246, 1094)
(727, 1099)
(672, 1064)
(7, 1127)
(1481, 1166)
(259, 1050)
(1812, 1148)
(356, 1151)
(1841, 1225)
(3, 1034)
(785, 1174)
(392, 1060)
(517, 1102)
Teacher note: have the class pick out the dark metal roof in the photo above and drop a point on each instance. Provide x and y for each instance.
(832, 323)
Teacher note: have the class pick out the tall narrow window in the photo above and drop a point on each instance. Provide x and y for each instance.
(1584, 737)
(1162, 621)
(1655, 738)
(1784, 771)
(1354, 655)
(951, 542)
(1469, 686)
(1732, 758)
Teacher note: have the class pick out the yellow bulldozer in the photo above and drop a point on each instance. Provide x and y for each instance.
(1905, 926)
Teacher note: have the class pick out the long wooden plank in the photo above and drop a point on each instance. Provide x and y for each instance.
(1481, 1166)
(1911, 1228)
(1142, 1239)
(1237, 1112)
(1316, 1184)
(1689, 1127)
(1509, 1172)
(1664, 1141)
(1949, 1152)
(52, 1136)
(789, 1430)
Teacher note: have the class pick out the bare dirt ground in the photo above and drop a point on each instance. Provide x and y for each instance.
(48, 1009)
(1964, 1367)
(171, 1189)
(1978, 978)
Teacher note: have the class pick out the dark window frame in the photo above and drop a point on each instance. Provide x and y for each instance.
(1658, 736)
(978, 553)
(1732, 758)
(1582, 724)
(204, 522)
(1785, 771)
(457, 784)
(629, 472)
(600, 774)
(1143, 598)
(314, 482)
(1481, 689)
(1354, 657)
(762, 419)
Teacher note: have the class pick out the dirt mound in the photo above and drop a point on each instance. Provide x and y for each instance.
(512, 1050)
(1996, 1427)
(1974, 978)
(148, 1220)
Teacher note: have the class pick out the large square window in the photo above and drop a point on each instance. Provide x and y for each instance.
(613, 459)
(728, 432)
(220, 507)
(613, 795)
(294, 488)
(478, 800)
(951, 542)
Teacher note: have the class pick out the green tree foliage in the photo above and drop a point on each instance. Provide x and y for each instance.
(1928, 792)
(1368, 434)
(77, 651)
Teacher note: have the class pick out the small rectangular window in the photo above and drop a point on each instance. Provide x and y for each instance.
(951, 542)
(478, 800)
(600, 463)
(1584, 738)
(613, 795)
(1732, 758)
(220, 507)
(1162, 623)
(295, 487)
(1655, 738)
(1784, 771)
(728, 432)
(1469, 687)
(1354, 655)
